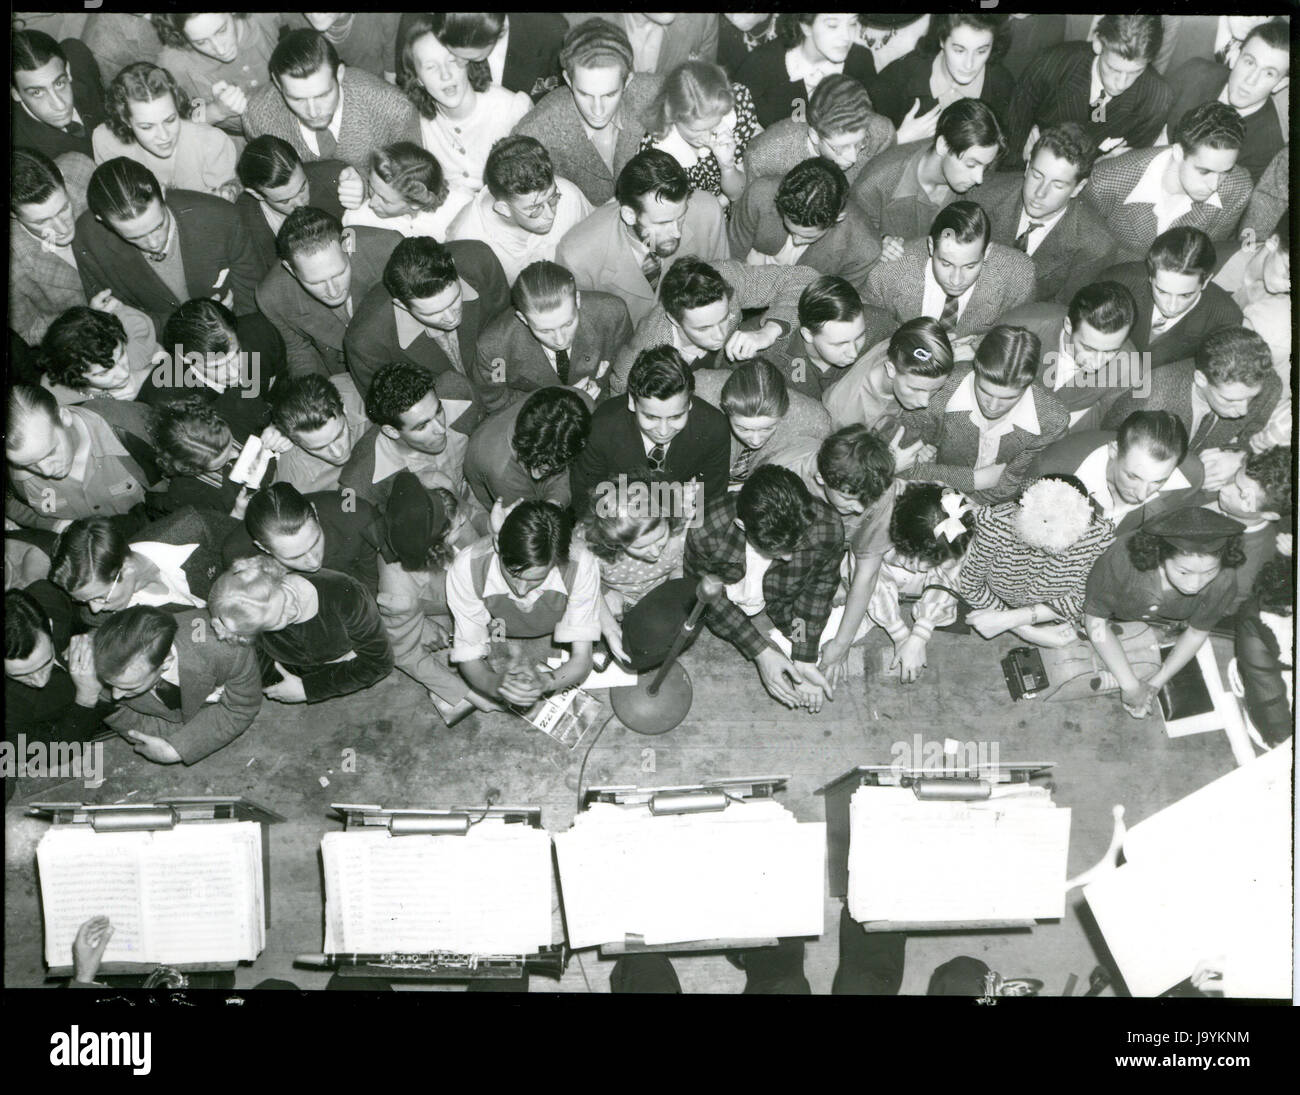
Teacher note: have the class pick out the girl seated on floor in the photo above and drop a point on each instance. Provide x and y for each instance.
(704, 122)
(318, 635)
(515, 588)
(637, 548)
(930, 531)
(88, 354)
(1030, 561)
(1176, 570)
(197, 453)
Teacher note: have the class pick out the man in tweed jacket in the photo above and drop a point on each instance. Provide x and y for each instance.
(707, 340)
(987, 279)
(1195, 182)
(324, 109)
(42, 285)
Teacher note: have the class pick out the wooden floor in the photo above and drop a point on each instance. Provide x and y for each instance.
(405, 757)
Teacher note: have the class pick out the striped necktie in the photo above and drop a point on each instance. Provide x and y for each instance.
(1208, 421)
(562, 365)
(650, 267)
(948, 317)
(1022, 240)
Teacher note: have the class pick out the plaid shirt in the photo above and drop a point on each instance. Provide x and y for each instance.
(798, 590)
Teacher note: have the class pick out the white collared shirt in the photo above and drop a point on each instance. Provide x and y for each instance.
(1024, 414)
(426, 222)
(1151, 191)
(274, 218)
(647, 40)
(747, 594)
(335, 125)
(1223, 98)
(933, 297)
(409, 328)
(946, 90)
(684, 346)
(497, 58)
(1200, 408)
(789, 255)
(1092, 474)
(1043, 230)
(445, 469)
(1095, 87)
(1158, 318)
(811, 73)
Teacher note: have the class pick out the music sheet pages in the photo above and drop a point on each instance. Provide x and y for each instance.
(193, 894)
(1001, 859)
(750, 872)
(487, 892)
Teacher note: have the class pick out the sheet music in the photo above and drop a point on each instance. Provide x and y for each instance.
(1207, 879)
(84, 874)
(955, 861)
(750, 871)
(488, 892)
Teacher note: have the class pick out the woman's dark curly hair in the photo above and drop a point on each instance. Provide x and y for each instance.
(1147, 551)
(918, 511)
(942, 26)
(447, 29)
(1275, 586)
(77, 342)
(140, 82)
(441, 552)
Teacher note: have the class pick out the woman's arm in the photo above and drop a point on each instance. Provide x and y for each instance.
(358, 616)
(1189, 642)
(1132, 691)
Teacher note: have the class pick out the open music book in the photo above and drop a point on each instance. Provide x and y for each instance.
(750, 872)
(487, 892)
(935, 861)
(189, 895)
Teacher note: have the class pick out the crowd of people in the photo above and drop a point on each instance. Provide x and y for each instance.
(965, 321)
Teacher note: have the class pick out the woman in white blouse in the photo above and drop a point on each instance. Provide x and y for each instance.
(147, 122)
(460, 114)
(404, 192)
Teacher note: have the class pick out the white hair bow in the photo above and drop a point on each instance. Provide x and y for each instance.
(956, 506)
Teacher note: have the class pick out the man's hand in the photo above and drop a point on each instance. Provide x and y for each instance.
(438, 636)
(1137, 701)
(352, 188)
(228, 301)
(710, 588)
(1027, 153)
(274, 440)
(289, 690)
(987, 478)
(230, 96)
(916, 126)
(905, 458)
(834, 661)
(159, 750)
(88, 947)
(989, 622)
(104, 301)
(812, 686)
(779, 677)
(909, 659)
(742, 345)
(891, 248)
(521, 686)
(1220, 466)
(614, 640)
(81, 668)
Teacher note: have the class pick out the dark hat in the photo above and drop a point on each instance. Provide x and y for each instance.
(890, 20)
(960, 976)
(1195, 530)
(414, 519)
(651, 625)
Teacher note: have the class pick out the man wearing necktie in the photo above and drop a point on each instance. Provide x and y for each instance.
(56, 93)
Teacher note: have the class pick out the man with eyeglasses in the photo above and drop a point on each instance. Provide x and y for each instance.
(525, 209)
(171, 563)
(51, 691)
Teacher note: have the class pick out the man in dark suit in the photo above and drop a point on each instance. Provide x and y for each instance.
(1039, 213)
(520, 48)
(324, 273)
(1132, 475)
(323, 109)
(955, 275)
(1223, 397)
(276, 182)
(661, 435)
(1107, 85)
(1196, 183)
(433, 302)
(157, 252)
(309, 532)
(58, 99)
(805, 218)
(171, 563)
(1262, 67)
(593, 125)
(1177, 304)
(554, 334)
(182, 693)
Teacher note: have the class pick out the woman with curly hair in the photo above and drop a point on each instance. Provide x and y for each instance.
(406, 191)
(460, 113)
(197, 452)
(1030, 561)
(1178, 569)
(704, 122)
(88, 354)
(318, 635)
(149, 122)
(638, 548)
(219, 58)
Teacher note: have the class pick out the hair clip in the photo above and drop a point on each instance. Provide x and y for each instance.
(922, 354)
(956, 506)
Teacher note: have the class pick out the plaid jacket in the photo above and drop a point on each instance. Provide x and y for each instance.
(1134, 226)
(41, 285)
(776, 288)
(796, 591)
